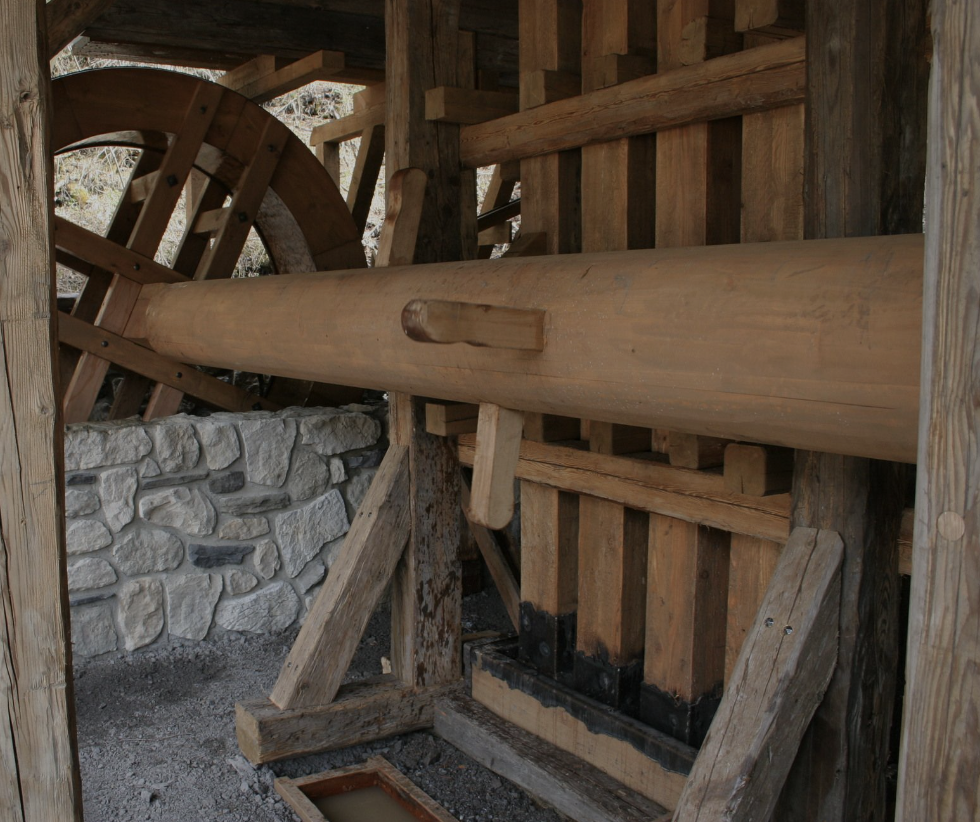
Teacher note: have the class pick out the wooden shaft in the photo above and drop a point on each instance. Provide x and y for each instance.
(806, 344)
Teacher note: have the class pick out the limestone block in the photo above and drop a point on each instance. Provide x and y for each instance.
(267, 610)
(243, 528)
(145, 550)
(190, 604)
(309, 476)
(185, 509)
(240, 582)
(213, 556)
(93, 631)
(227, 483)
(85, 535)
(177, 449)
(369, 459)
(140, 612)
(89, 572)
(80, 503)
(303, 532)
(338, 472)
(220, 441)
(358, 486)
(268, 444)
(266, 558)
(311, 575)
(252, 503)
(149, 468)
(334, 432)
(118, 488)
(93, 445)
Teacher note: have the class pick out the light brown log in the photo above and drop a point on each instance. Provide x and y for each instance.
(39, 778)
(939, 774)
(498, 446)
(483, 326)
(777, 356)
(754, 80)
(779, 679)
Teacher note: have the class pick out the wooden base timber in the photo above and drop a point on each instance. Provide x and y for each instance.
(634, 754)
(574, 788)
(364, 711)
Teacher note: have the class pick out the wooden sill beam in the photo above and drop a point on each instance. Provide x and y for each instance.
(755, 80)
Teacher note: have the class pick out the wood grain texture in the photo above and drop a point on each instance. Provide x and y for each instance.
(755, 80)
(66, 19)
(497, 563)
(779, 679)
(320, 656)
(939, 775)
(498, 447)
(39, 777)
(752, 564)
(549, 549)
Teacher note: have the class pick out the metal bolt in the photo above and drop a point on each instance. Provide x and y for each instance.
(105, 343)
(257, 406)
(172, 180)
(242, 217)
(179, 374)
(788, 630)
(769, 622)
(136, 266)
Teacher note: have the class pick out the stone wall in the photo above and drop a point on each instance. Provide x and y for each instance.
(187, 527)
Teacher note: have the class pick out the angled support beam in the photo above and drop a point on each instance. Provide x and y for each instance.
(320, 65)
(780, 677)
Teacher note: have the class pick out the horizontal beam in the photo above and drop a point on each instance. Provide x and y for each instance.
(349, 127)
(321, 65)
(754, 80)
(810, 344)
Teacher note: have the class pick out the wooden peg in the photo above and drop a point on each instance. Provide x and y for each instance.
(490, 326)
(406, 190)
(498, 447)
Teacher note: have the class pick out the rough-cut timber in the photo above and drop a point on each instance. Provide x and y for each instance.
(778, 356)
(68, 18)
(939, 777)
(755, 80)
(39, 778)
(778, 681)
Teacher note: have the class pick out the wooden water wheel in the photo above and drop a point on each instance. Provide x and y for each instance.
(249, 171)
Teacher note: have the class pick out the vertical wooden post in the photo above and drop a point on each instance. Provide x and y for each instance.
(550, 37)
(939, 775)
(864, 66)
(39, 778)
(422, 47)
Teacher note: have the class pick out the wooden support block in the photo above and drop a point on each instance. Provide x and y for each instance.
(785, 18)
(399, 233)
(547, 85)
(251, 71)
(497, 564)
(485, 326)
(498, 445)
(349, 127)
(781, 675)
(550, 427)
(609, 438)
(447, 104)
(368, 97)
(451, 419)
(528, 244)
(140, 187)
(641, 758)
(363, 711)
(692, 451)
(320, 656)
(320, 65)
(572, 787)
(758, 470)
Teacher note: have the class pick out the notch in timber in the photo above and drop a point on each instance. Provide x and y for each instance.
(489, 326)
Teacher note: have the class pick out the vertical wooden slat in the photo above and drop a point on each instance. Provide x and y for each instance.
(939, 775)
(39, 779)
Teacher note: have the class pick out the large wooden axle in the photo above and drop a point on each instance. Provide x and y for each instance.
(809, 344)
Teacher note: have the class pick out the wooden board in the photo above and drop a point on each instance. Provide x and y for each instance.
(39, 777)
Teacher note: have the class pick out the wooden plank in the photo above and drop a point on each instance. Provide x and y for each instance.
(755, 80)
(320, 65)
(694, 496)
(497, 563)
(66, 19)
(483, 326)
(752, 564)
(251, 70)
(758, 470)
(780, 17)
(364, 177)
(363, 711)
(133, 357)
(939, 773)
(39, 776)
(779, 679)
(451, 419)
(498, 445)
(574, 788)
(692, 451)
(405, 192)
(318, 661)
(616, 749)
(448, 104)
(349, 127)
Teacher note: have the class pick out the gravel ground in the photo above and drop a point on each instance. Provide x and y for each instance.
(157, 735)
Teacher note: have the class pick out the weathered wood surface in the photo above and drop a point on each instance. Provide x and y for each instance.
(498, 447)
(497, 563)
(465, 106)
(755, 80)
(574, 788)
(39, 778)
(779, 679)
(320, 656)
(66, 19)
(817, 380)
(939, 776)
(321, 65)
(485, 326)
